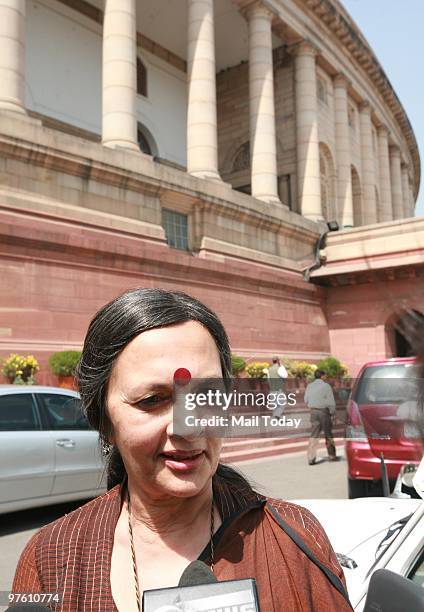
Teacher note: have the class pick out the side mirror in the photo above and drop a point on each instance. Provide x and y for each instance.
(407, 472)
(389, 592)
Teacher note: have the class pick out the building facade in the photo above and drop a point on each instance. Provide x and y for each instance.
(198, 145)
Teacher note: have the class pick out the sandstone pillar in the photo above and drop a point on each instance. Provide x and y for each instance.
(202, 138)
(386, 210)
(396, 182)
(119, 127)
(411, 201)
(263, 148)
(344, 173)
(12, 56)
(405, 191)
(308, 170)
(369, 210)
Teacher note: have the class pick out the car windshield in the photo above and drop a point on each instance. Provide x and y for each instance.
(388, 384)
(391, 534)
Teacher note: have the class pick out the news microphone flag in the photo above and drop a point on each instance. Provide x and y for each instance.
(199, 591)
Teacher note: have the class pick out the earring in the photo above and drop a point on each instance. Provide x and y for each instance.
(106, 448)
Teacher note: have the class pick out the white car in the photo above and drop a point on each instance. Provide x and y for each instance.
(373, 533)
(49, 454)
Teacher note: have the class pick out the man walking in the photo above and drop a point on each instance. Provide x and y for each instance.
(320, 399)
(276, 375)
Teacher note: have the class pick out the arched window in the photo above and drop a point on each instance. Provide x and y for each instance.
(328, 178)
(241, 159)
(146, 141)
(141, 78)
(399, 327)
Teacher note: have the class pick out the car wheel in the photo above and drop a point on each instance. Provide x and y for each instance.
(357, 488)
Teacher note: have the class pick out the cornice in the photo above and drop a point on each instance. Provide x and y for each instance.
(339, 22)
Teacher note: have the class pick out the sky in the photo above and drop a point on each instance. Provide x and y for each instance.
(395, 31)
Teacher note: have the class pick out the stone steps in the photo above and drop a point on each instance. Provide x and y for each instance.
(245, 450)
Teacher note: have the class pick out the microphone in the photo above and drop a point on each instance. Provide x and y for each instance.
(196, 572)
(198, 590)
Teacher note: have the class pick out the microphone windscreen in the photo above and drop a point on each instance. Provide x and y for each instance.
(195, 573)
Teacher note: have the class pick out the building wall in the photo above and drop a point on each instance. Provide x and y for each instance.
(57, 274)
(64, 63)
(358, 314)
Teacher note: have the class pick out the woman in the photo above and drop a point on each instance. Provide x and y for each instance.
(171, 502)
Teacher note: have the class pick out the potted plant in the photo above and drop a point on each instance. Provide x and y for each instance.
(63, 364)
(332, 367)
(257, 371)
(238, 365)
(290, 365)
(20, 370)
(304, 373)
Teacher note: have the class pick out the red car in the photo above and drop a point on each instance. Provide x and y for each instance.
(382, 420)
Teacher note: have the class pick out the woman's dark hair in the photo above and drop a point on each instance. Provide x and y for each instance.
(113, 327)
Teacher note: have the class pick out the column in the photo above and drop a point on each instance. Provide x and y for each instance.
(263, 148)
(384, 165)
(344, 173)
(202, 138)
(411, 200)
(119, 127)
(369, 210)
(405, 191)
(396, 182)
(308, 171)
(12, 56)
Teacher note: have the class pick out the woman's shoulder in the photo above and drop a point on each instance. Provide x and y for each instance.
(291, 517)
(94, 511)
(75, 524)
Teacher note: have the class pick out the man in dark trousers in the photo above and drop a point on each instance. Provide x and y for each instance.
(319, 398)
(276, 375)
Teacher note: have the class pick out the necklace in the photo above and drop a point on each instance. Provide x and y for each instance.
(134, 561)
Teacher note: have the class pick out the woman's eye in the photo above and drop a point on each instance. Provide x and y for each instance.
(153, 400)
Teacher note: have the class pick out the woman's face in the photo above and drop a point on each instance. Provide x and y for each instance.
(139, 405)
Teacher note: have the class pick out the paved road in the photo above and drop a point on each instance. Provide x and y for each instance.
(287, 477)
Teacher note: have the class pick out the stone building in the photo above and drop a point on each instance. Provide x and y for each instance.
(201, 145)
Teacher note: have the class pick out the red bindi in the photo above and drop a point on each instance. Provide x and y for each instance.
(182, 376)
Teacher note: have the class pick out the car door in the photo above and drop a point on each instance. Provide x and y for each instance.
(79, 465)
(26, 452)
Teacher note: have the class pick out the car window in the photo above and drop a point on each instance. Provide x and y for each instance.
(387, 384)
(18, 412)
(62, 411)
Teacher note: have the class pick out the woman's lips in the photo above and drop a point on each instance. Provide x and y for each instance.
(182, 461)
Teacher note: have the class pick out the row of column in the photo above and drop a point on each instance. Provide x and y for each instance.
(119, 115)
(120, 121)
(396, 199)
(119, 127)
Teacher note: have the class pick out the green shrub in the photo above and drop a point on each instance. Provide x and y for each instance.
(238, 364)
(332, 367)
(64, 363)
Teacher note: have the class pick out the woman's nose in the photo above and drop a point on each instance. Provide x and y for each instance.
(179, 426)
